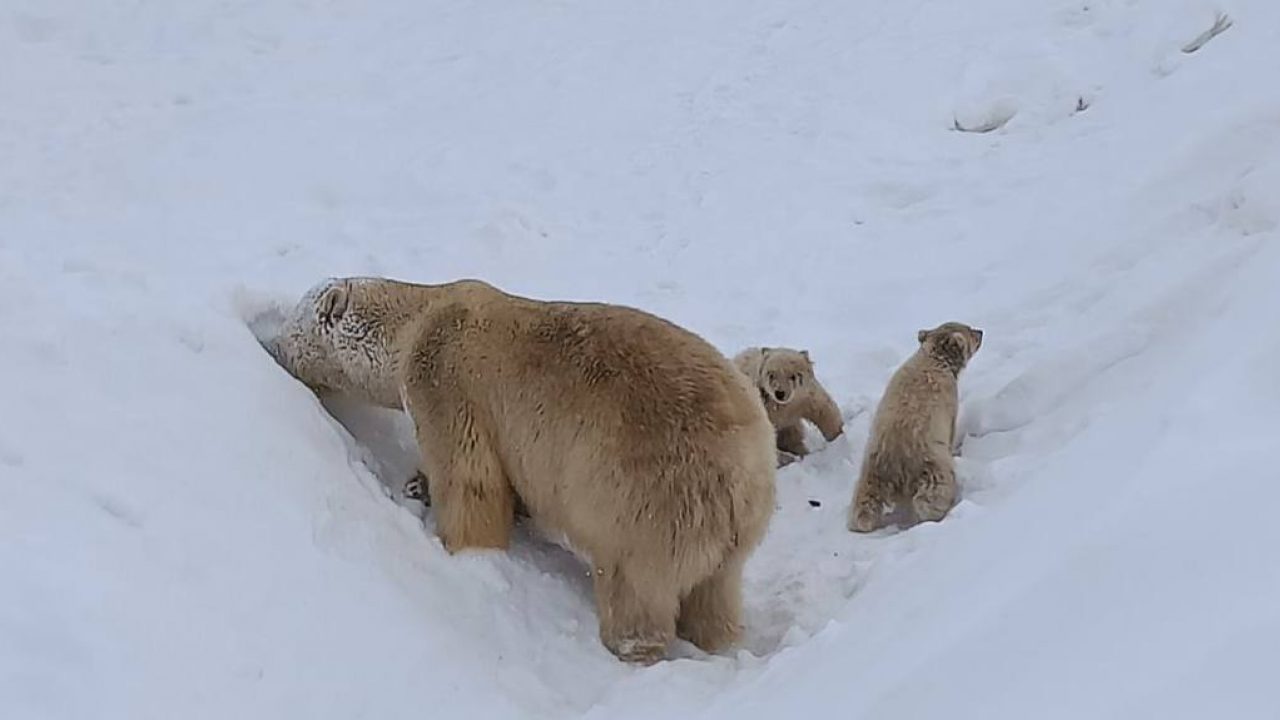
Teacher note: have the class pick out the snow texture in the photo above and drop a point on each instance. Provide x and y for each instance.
(186, 531)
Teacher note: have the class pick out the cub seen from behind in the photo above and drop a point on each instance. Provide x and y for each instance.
(908, 463)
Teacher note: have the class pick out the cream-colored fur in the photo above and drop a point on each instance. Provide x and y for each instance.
(632, 438)
(908, 459)
(791, 394)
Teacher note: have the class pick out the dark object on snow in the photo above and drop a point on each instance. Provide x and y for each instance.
(815, 503)
(416, 489)
(995, 122)
(1220, 25)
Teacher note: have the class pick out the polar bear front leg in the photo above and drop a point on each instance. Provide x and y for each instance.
(791, 440)
(825, 413)
(473, 502)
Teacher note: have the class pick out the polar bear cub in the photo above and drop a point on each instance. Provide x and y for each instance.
(908, 457)
(791, 394)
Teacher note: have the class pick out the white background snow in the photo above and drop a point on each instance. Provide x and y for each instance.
(186, 532)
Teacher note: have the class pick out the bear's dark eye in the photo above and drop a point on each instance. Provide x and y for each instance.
(772, 377)
(796, 379)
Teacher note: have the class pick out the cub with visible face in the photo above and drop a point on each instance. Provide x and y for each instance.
(908, 458)
(790, 393)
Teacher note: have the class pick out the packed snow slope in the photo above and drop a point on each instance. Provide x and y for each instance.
(185, 531)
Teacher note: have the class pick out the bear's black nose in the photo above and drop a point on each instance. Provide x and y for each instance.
(780, 394)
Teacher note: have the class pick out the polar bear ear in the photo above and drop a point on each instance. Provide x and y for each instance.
(332, 303)
(805, 354)
(922, 335)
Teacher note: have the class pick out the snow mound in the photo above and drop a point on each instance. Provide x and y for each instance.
(1026, 82)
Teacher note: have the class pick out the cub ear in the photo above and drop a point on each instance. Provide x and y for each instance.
(922, 335)
(805, 354)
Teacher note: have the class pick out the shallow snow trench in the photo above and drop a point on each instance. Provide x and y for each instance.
(801, 575)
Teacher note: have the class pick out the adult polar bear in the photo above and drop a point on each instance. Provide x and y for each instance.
(633, 438)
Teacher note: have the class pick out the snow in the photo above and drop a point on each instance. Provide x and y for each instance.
(187, 532)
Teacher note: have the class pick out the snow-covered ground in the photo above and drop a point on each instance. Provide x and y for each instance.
(186, 532)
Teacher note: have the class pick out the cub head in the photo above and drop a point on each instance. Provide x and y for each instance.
(784, 373)
(951, 342)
